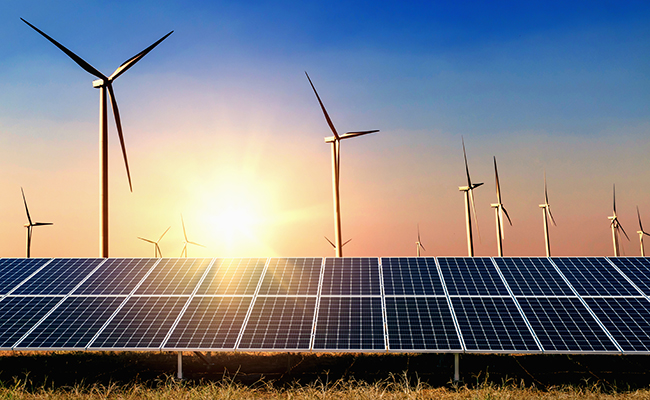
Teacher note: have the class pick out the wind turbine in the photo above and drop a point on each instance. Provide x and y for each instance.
(641, 232)
(336, 145)
(104, 84)
(616, 225)
(333, 245)
(499, 210)
(418, 244)
(30, 225)
(184, 251)
(157, 251)
(546, 212)
(469, 205)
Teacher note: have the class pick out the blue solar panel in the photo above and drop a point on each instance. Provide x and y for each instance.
(532, 277)
(291, 276)
(15, 270)
(210, 322)
(116, 276)
(627, 319)
(59, 277)
(20, 314)
(233, 276)
(279, 323)
(351, 276)
(637, 269)
(349, 323)
(411, 276)
(73, 324)
(565, 325)
(471, 276)
(492, 324)
(420, 324)
(592, 276)
(174, 276)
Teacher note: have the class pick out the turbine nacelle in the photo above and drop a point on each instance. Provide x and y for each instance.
(97, 83)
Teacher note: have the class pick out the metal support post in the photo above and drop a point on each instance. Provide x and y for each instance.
(456, 367)
(179, 375)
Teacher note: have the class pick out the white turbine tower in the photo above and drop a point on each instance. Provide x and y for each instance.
(419, 244)
(499, 210)
(184, 251)
(469, 205)
(30, 225)
(641, 232)
(546, 212)
(616, 226)
(336, 146)
(104, 84)
(157, 251)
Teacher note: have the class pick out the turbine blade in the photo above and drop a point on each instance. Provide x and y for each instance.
(639, 215)
(421, 245)
(118, 123)
(348, 135)
(83, 64)
(183, 223)
(161, 236)
(43, 223)
(614, 198)
(346, 242)
(158, 250)
(475, 185)
(496, 177)
(196, 244)
(469, 180)
(330, 242)
(545, 191)
(471, 200)
(131, 61)
(26, 209)
(146, 240)
(506, 213)
(551, 214)
(621, 226)
(327, 117)
(418, 233)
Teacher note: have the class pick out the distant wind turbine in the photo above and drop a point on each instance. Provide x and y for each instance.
(546, 212)
(333, 245)
(336, 145)
(499, 210)
(419, 244)
(469, 205)
(184, 251)
(157, 251)
(641, 232)
(30, 225)
(616, 226)
(104, 84)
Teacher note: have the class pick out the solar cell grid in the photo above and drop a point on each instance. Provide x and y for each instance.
(174, 276)
(20, 314)
(532, 277)
(351, 276)
(411, 276)
(291, 276)
(15, 270)
(627, 319)
(592, 276)
(116, 276)
(637, 269)
(471, 276)
(232, 276)
(349, 323)
(59, 277)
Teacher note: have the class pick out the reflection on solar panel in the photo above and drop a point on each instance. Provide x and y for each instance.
(291, 276)
(533, 277)
(233, 276)
(211, 322)
(627, 319)
(174, 276)
(279, 323)
(565, 325)
(411, 276)
(116, 276)
(15, 270)
(19, 314)
(594, 277)
(637, 269)
(59, 276)
(471, 276)
(420, 323)
(349, 323)
(351, 276)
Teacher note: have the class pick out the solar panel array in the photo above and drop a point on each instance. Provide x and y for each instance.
(579, 305)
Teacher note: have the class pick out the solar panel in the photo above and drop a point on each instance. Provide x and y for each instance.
(420, 324)
(233, 276)
(532, 277)
(174, 276)
(73, 324)
(210, 322)
(411, 276)
(279, 323)
(471, 276)
(492, 324)
(349, 323)
(15, 270)
(291, 276)
(592, 276)
(116, 276)
(637, 269)
(351, 276)
(627, 319)
(19, 314)
(565, 325)
(59, 276)
(142, 323)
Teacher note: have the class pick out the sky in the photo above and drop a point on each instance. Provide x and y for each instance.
(222, 127)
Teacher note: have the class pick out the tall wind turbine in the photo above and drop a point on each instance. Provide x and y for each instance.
(104, 84)
(419, 244)
(184, 251)
(616, 226)
(469, 205)
(157, 251)
(546, 212)
(641, 232)
(30, 225)
(336, 146)
(499, 210)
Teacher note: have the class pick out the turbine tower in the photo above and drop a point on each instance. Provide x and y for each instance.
(30, 225)
(616, 226)
(104, 84)
(641, 232)
(336, 146)
(499, 210)
(184, 251)
(157, 251)
(546, 212)
(469, 205)
(418, 244)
